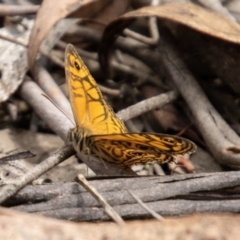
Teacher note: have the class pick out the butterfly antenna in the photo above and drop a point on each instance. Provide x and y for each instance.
(88, 153)
(103, 162)
(48, 98)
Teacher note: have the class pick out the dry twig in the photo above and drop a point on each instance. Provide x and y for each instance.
(12, 10)
(141, 203)
(147, 105)
(106, 206)
(9, 190)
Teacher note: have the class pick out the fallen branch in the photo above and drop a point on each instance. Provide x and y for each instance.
(170, 195)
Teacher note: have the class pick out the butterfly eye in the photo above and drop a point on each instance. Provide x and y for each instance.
(77, 66)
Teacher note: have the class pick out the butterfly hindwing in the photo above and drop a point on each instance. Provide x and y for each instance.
(132, 148)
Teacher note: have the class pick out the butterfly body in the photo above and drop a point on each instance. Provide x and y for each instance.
(100, 133)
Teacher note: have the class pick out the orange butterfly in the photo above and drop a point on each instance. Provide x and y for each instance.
(99, 132)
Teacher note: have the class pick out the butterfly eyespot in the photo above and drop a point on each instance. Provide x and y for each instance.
(77, 66)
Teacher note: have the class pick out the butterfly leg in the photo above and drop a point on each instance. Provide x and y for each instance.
(88, 153)
(68, 140)
(103, 162)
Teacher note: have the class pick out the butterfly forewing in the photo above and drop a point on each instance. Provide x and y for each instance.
(89, 108)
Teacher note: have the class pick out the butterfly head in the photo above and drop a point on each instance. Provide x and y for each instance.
(74, 65)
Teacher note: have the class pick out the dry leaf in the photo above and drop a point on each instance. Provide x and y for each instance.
(50, 13)
(108, 12)
(185, 14)
(13, 58)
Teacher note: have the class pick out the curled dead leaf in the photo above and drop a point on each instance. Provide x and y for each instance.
(50, 13)
(198, 20)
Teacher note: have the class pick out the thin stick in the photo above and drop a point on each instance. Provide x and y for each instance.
(107, 208)
(9, 190)
(143, 205)
(54, 59)
(12, 10)
(147, 105)
(17, 156)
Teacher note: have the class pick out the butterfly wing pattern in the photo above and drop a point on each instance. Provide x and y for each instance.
(99, 132)
(130, 148)
(90, 110)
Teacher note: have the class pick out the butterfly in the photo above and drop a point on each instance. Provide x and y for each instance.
(101, 133)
